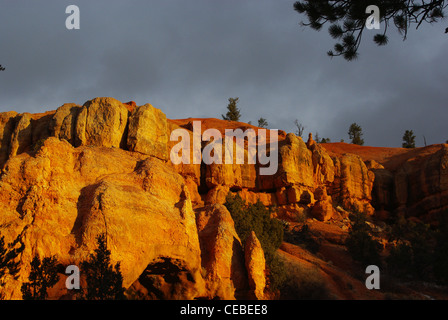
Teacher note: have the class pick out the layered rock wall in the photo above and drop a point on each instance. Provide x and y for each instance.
(104, 167)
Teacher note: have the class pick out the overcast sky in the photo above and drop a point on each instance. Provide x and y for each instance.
(188, 57)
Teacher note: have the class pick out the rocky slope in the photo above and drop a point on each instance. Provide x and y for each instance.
(71, 174)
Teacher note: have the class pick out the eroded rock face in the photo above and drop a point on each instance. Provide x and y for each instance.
(421, 185)
(142, 205)
(323, 165)
(296, 164)
(63, 123)
(104, 167)
(255, 265)
(101, 122)
(222, 254)
(323, 208)
(352, 186)
(21, 137)
(7, 125)
(148, 132)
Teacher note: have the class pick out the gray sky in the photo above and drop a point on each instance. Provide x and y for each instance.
(188, 57)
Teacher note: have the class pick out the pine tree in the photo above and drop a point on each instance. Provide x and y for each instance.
(2, 68)
(104, 281)
(8, 254)
(262, 123)
(408, 139)
(347, 19)
(233, 113)
(355, 134)
(43, 276)
(7, 258)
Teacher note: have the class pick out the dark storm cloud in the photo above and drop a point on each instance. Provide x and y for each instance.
(188, 58)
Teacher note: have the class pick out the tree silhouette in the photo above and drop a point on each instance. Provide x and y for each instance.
(317, 137)
(8, 255)
(355, 134)
(300, 128)
(233, 113)
(347, 19)
(360, 243)
(7, 258)
(408, 139)
(2, 68)
(262, 123)
(104, 281)
(43, 275)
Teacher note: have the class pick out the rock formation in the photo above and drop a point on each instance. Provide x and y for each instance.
(256, 266)
(71, 174)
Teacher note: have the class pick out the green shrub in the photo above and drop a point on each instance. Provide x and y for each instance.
(255, 217)
(413, 255)
(360, 243)
(277, 274)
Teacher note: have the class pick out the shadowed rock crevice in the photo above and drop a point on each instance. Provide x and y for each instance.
(165, 278)
(8, 122)
(84, 206)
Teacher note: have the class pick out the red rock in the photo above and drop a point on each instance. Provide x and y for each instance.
(101, 122)
(222, 254)
(148, 132)
(256, 266)
(323, 208)
(70, 174)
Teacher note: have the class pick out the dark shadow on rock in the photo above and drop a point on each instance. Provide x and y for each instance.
(84, 205)
(165, 278)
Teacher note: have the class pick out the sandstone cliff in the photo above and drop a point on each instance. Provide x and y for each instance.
(70, 174)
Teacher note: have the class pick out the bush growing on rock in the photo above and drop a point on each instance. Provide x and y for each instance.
(360, 243)
(256, 217)
(412, 255)
(43, 275)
